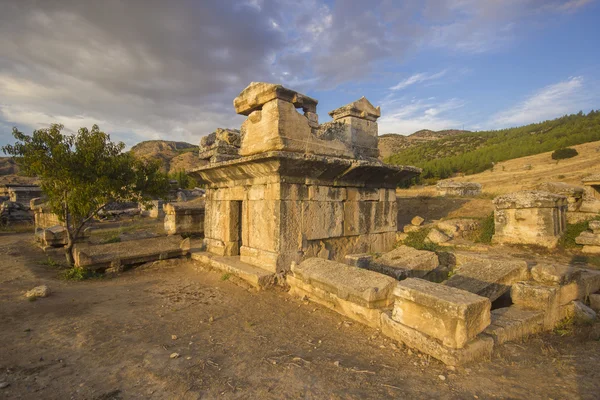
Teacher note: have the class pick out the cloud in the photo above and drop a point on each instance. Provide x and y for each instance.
(549, 102)
(406, 117)
(152, 69)
(418, 78)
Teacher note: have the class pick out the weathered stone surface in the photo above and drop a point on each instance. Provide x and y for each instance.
(591, 249)
(404, 262)
(437, 237)
(534, 296)
(574, 194)
(417, 221)
(359, 260)
(581, 312)
(553, 274)
(366, 288)
(257, 94)
(595, 226)
(129, 252)
(450, 315)
(360, 108)
(38, 291)
(457, 227)
(588, 238)
(184, 217)
(255, 276)
(530, 217)
(411, 228)
(55, 236)
(514, 323)
(451, 188)
(478, 349)
(488, 277)
(595, 302)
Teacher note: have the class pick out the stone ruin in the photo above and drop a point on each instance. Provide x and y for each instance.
(299, 189)
(460, 189)
(530, 217)
(590, 239)
(221, 145)
(15, 199)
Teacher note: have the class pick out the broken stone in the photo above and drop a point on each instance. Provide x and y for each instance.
(38, 291)
(457, 227)
(581, 312)
(595, 302)
(514, 323)
(437, 237)
(411, 228)
(553, 274)
(417, 221)
(450, 315)
(451, 188)
(174, 355)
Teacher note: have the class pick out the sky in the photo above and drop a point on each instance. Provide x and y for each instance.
(154, 69)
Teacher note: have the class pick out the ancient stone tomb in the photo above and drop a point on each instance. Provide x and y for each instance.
(297, 188)
(530, 217)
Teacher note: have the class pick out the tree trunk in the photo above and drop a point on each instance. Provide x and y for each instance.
(69, 252)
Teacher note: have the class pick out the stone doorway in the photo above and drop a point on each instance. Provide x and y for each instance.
(236, 224)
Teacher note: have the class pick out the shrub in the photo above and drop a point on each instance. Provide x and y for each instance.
(563, 153)
(487, 229)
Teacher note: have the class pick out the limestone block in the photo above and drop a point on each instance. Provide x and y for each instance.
(357, 217)
(588, 238)
(263, 225)
(362, 194)
(595, 302)
(450, 315)
(384, 217)
(451, 188)
(184, 217)
(457, 227)
(326, 193)
(534, 296)
(417, 221)
(411, 228)
(322, 219)
(590, 249)
(267, 260)
(382, 242)
(595, 226)
(366, 288)
(581, 312)
(437, 237)
(553, 274)
(487, 277)
(477, 349)
(361, 260)
(257, 94)
(405, 262)
(387, 195)
(514, 323)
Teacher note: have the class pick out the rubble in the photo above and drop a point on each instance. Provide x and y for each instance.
(461, 189)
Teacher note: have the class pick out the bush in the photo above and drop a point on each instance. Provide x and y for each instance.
(487, 229)
(563, 153)
(417, 240)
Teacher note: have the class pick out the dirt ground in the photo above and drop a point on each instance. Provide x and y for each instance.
(111, 338)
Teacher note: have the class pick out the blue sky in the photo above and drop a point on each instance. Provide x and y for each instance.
(170, 70)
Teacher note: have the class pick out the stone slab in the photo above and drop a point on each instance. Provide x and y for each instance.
(553, 274)
(255, 276)
(478, 349)
(450, 315)
(514, 323)
(588, 238)
(130, 252)
(405, 262)
(365, 315)
(489, 277)
(363, 287)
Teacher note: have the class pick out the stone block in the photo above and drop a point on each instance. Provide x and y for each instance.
(405, 262)
(437, 237)
(411, 228)
(553, 274)
(357, 217)
(322, 219)
(488, 277)
(451, 188)
(384, 217)
(534, 296)
(326, 193)
(362, 194)
(263, 225)
(450, 315)
(588, 238)
(514, 323)
(359, 260)
(595, 302)
(417, 221)
(591, 249)
(478, 349)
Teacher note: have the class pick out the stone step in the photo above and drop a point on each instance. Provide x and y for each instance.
(514, 323)
(255, 276)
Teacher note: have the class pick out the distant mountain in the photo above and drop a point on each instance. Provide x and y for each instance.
(174, 156)
(459, 152)
(9, 173)
(392, 143)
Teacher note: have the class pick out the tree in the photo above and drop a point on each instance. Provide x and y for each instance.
(80, 174)
(561, 154)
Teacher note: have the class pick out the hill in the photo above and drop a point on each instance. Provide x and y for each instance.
(474, 152)
(392, 143)
(174, 156)
(527, 172)
(9, 173)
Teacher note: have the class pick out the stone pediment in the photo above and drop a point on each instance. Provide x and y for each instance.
(361, 108)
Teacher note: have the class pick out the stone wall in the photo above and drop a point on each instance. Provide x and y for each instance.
(273, 224)
(530, 217)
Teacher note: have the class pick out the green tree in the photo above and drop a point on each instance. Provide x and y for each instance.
(80, 174)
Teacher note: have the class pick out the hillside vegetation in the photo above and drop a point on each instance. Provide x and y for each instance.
(471, 153)
(174, 156)
(392, 143)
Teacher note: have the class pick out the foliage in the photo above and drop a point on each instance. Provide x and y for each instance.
(563, 153)
(184, 181)
(475, 152)
(571, 233)
(80, 174)
(417, 240)
(487, 229)
(75, 274)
